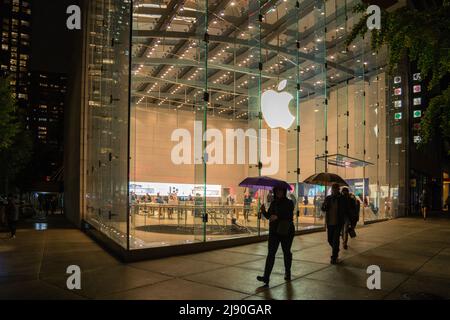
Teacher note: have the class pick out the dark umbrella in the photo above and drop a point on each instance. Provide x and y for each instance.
(325, 179)
(265, 183)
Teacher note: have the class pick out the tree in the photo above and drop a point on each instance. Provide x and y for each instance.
(15, 141)
(8, 125)
(423, 37)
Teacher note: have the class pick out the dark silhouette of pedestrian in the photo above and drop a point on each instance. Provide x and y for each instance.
(335, 208)
(352, 218)
(281, 230)
(424, 203)
(305, 203)
(247, 206)
(12, 215)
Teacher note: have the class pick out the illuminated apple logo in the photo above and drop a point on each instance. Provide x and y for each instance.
(275, 107)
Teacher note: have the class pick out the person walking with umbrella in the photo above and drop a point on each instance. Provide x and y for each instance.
(336, 208)
(336, 211)
(281, 230)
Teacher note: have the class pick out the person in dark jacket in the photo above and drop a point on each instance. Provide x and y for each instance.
(352, 217)
(12, 215)
(281, 230)
(424, 203)
(336, 211)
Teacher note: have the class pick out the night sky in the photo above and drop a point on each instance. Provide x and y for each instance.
(51, 45)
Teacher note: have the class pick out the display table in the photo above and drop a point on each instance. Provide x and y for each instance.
(222, 215)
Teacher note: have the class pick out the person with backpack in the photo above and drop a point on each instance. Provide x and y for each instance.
(352, 218)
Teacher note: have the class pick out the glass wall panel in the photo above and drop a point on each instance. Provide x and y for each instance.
(107, 118)
(168, 122)
(313, 100)
(280, 66)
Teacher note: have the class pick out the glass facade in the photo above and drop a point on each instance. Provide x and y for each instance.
(185, 99)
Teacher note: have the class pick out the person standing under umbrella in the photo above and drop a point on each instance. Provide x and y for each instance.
(281, 230)
(336, 211)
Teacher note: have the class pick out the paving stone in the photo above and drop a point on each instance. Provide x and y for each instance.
(419, 285)
(356, 277)
(109, 280)
(177, 266)
(308, 289)
(35, 290)
(177, 289)
(236, 279)
(298, 269)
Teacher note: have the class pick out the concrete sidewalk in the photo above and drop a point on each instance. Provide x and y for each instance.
(414, 257)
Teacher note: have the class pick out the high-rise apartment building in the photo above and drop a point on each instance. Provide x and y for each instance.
(46, 118)
(15, 26)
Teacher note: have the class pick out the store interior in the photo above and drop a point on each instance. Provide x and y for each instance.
(272, 90)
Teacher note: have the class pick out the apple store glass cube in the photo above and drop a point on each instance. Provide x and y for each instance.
(185, 99)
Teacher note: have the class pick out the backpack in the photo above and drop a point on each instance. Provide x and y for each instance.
(355, 212)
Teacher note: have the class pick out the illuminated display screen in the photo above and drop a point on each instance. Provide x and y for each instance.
(180, 189)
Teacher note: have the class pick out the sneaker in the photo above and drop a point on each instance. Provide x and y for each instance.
(262, 279)
(12, 237)
(345, 246)
(334, 261)
(287, 277)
